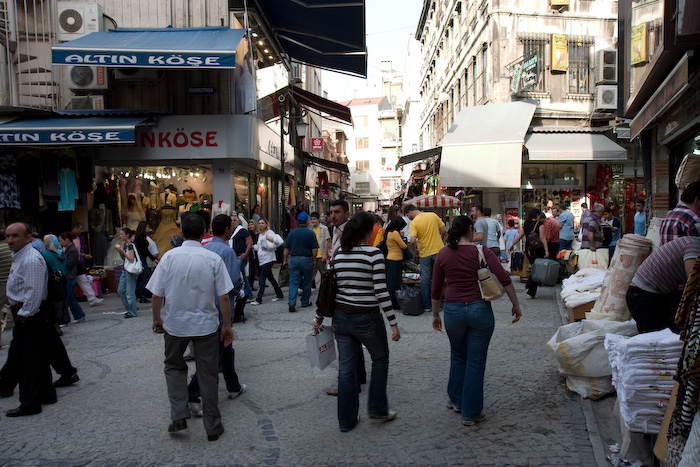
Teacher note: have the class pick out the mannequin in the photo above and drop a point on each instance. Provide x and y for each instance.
(134, 212)
(167, 229)
(168, 198)
(101, 228)
(190, 196)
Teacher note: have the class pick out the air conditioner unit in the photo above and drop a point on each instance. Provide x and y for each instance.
(77, 19)
(606, 66)
(136, 74)
(89, 78)
(87, 103)
(606, 97)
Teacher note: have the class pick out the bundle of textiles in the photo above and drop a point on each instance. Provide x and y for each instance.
(582, 287)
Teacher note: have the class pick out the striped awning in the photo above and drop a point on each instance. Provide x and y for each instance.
(434, 201)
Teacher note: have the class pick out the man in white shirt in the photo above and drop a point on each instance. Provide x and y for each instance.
(185, 285)
(494, 233)
(26, 290)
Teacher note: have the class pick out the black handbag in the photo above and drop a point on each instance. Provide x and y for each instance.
(534, 242)
(327, 291)
(57, 287)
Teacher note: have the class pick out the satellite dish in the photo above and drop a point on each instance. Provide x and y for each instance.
(70, 20)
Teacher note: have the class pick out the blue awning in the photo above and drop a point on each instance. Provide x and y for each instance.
(70, 131)
(325, 33)
(174, 48)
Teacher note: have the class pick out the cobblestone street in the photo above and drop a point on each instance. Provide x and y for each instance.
(119, 412)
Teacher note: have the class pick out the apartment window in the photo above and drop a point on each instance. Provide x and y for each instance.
(466, 87)
(460, 97)
(474, 77)
(452, 108)
(579, 67)
(484, 67)
(362, 143)
(362, 187)
(361, 122)
(362, 165)
(533, 78)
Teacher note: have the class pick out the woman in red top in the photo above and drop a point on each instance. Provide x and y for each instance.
(469, 320)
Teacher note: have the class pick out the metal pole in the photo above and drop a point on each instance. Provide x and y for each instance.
(283, 212)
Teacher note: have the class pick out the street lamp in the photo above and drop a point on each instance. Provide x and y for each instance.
(301, 127)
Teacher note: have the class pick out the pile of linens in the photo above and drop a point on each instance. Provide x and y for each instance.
(582, 287)
(643, 367)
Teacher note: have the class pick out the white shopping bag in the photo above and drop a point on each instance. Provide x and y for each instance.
(321, 347)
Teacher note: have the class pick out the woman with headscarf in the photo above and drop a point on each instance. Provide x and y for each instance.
(57, 262)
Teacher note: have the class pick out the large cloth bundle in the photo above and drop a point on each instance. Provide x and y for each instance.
(629, 254)
(643, 368)
(578, 348)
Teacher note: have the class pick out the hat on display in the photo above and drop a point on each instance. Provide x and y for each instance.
(302, 217)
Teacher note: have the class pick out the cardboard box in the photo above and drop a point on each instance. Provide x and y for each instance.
(579, 312)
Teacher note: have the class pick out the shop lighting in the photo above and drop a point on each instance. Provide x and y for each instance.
(126, 175)
(204, 179)
(270, 57)
(191, 174)
(255, 34)
(260, 42)
(267, 51)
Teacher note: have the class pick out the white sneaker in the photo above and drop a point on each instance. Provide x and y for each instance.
(96, 301)
(196, 409)
(531, 297)
(233, 395)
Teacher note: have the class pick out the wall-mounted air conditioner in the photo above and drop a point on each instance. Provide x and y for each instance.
(606, 97)
(87, 78)
(606, 66)
(136, 74)
(76, 19)
(87, 103)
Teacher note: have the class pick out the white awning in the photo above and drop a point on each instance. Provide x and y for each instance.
(573, 147)
(484, 146)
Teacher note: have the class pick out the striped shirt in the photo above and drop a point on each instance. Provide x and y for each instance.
(362, 282)
(663, 271)
(27, 281)
(5, 262)
(680, 222)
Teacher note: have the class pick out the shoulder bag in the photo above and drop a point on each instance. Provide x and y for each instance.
(135, 267)
(489, 285)
(327, 291)
(534, 242)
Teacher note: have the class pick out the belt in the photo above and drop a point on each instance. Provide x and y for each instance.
(300, 256)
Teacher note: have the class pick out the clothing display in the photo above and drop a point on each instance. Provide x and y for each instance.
(9, 191)
(166, 230)
(69, 189)
(134, 212)
(101, 227)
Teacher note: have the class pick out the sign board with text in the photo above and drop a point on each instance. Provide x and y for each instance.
(316, 144)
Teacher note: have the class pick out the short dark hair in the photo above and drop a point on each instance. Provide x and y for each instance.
(511, 223)
(487, 212)
(315, 214)
(193, 227)
(65, 235)
(409, 207)
(479, 208)
(608, 210)
(219, 224)
(205, 217)
(75, 225)
(640, 201)
(563, 207)
(127, 231)
(691, 192)
(342, 203)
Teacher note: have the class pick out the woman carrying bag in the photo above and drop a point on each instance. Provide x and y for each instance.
(469, 319)
(127, 281)
(535, 245)
(268, 242)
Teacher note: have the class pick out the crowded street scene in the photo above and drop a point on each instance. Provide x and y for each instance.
(274, 232)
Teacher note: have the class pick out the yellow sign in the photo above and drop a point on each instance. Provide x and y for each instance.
(560, 2)
(638, 44)
(560, 52)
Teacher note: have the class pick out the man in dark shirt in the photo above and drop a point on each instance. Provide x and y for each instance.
(300, 249)
(242, 244)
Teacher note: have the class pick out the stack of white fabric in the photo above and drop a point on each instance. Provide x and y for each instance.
(643, 368)
(582, 287)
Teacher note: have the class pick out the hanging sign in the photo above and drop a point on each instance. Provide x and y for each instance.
(323, 191)
(638, 44)
(530, 73)
(560, 52)
(316, 144)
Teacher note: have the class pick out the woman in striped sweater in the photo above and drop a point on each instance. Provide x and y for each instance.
(357, 321)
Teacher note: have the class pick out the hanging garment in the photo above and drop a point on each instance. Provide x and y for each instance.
(69, 189)
(9, 191)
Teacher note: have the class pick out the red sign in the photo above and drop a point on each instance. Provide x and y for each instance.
(316, 144)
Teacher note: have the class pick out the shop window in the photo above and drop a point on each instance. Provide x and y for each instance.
(362, 143)
(579, 67)
(553, 175)
(534, 66)
(362, 165)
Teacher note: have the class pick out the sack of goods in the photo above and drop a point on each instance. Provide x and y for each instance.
(545, 271)
(410, 301)
(643, 368)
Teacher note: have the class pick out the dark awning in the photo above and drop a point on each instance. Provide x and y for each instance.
(270, 106)
(324, 33)
(173, 48)
(327, 164)
(70, 131)
(418, 156)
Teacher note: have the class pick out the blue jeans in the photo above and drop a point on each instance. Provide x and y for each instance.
(127, 292)
(301, 269)
(75, 308)
(565, 244)
(351, 332)
(426, 277)
(142, 280)
(393, 280)
(469, 327)
(248, 291)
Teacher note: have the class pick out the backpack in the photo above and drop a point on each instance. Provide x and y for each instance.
(534, 242)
